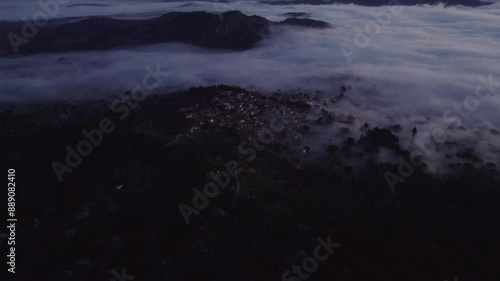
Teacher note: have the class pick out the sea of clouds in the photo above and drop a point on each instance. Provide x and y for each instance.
(412, 70)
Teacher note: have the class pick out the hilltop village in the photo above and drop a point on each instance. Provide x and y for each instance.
(251, 112)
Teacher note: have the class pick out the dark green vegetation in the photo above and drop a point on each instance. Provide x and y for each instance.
(428, 229)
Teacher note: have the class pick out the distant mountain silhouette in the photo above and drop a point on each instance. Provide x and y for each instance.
(470, 3)
(231, 30)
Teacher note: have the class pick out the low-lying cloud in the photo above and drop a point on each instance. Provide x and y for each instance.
(416, 67)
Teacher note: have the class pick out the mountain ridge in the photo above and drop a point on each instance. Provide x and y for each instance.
(231, 30)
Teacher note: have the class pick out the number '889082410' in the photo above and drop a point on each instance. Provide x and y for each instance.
(11, 188)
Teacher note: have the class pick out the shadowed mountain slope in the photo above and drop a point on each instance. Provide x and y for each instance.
(231, 30)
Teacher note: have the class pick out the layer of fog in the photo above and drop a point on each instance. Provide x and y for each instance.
(421, 64)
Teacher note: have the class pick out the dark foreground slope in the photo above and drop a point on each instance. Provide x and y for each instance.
(230, 30)
(118, 209)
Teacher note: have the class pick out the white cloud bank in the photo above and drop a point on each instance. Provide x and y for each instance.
(423, 62)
